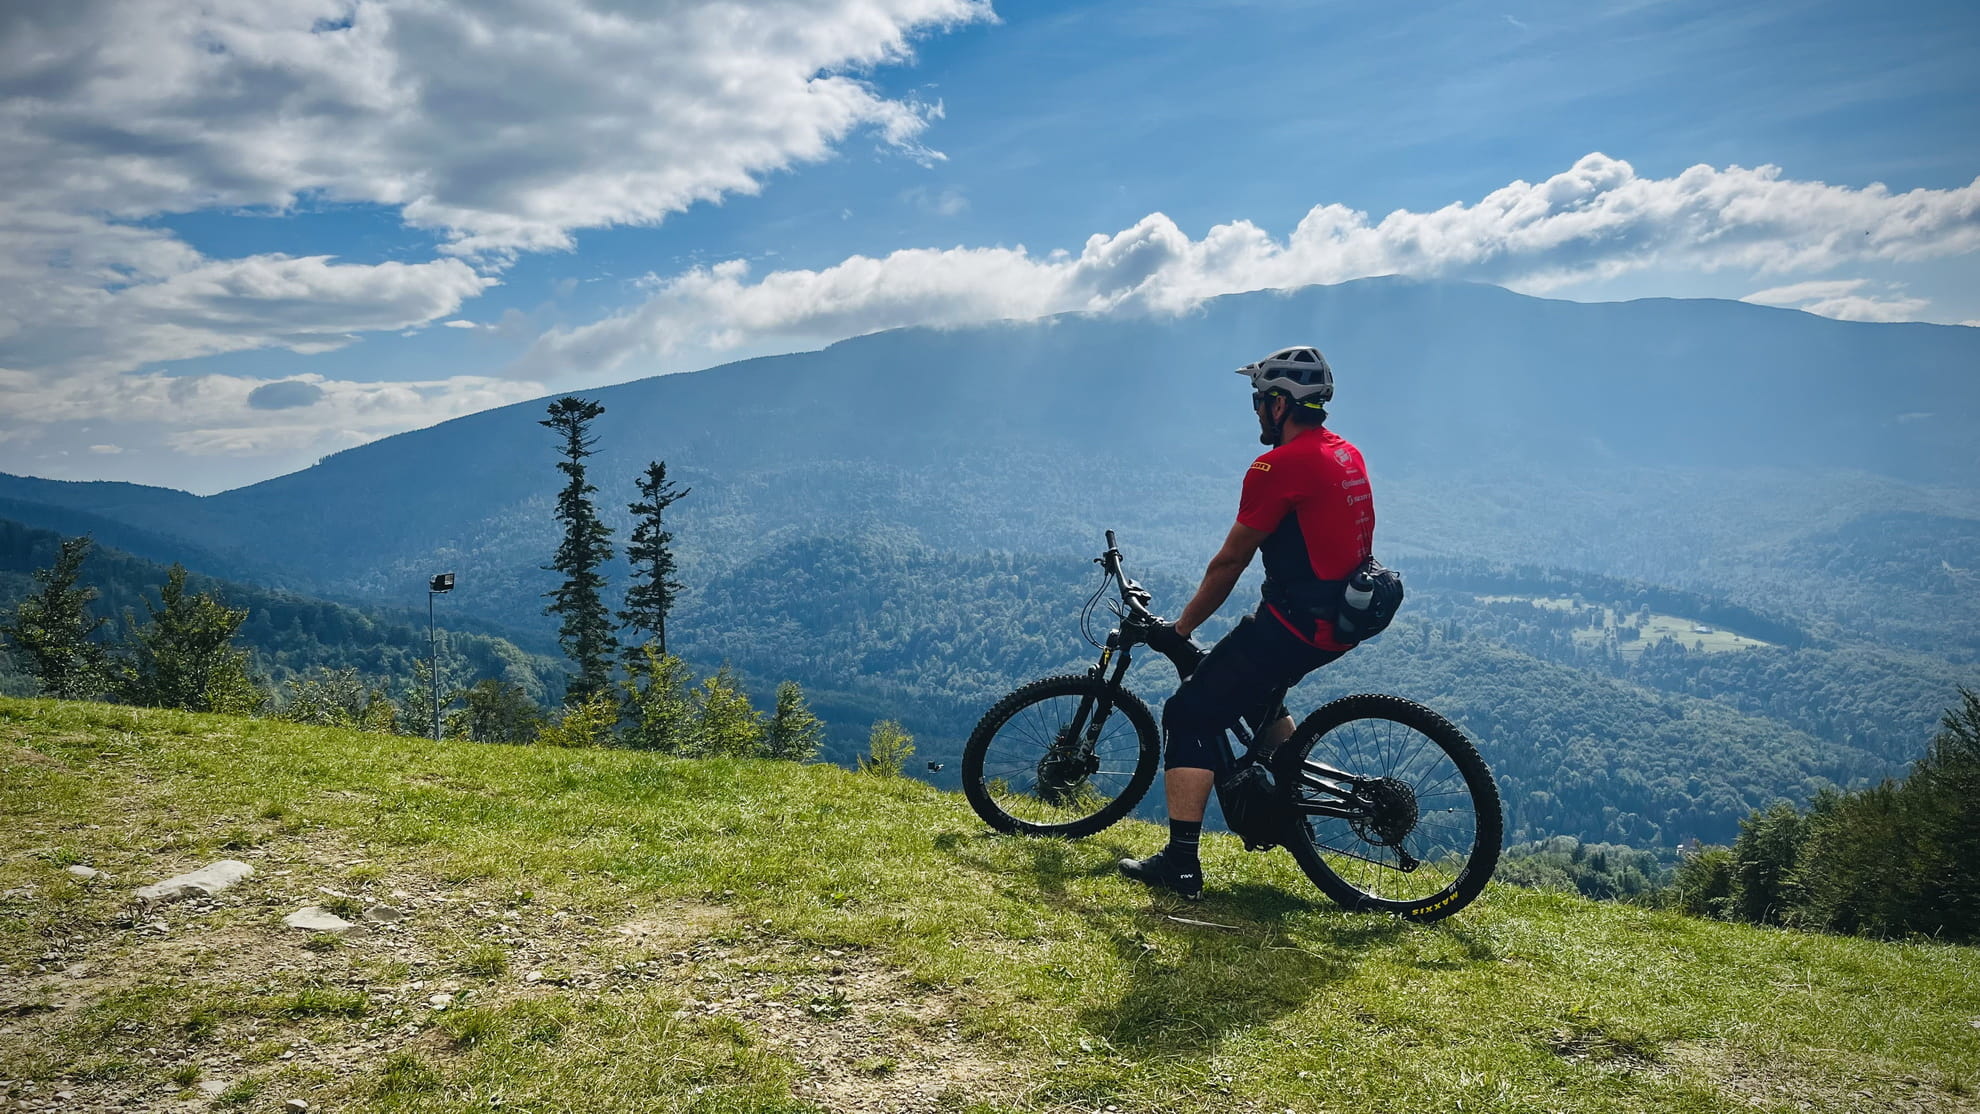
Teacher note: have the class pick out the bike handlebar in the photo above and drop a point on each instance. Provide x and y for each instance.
(1135, 599)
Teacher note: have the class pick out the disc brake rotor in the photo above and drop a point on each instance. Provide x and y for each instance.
(1063, 769)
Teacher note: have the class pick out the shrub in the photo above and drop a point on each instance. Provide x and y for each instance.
(887, 750)
(338, 698)
(588, 723)
(724, 721)
(659, 713)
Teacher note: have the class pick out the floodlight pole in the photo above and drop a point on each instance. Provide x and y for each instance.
(441, 583)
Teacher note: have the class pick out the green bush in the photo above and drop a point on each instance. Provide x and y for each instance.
(588, 723)
(887, 750)
(724, 721)
(658, 711)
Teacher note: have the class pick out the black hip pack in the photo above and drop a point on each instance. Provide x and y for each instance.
(1355, 609)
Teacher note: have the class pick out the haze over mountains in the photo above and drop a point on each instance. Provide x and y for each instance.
(1818, 472)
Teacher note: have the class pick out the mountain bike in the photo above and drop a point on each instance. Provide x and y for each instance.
(1385, 805)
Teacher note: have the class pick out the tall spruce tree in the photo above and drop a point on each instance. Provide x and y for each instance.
(651, 596)
(185, 656)
(586, 631)
(53, 631)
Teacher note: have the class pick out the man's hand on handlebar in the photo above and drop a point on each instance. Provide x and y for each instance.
(1165, 640)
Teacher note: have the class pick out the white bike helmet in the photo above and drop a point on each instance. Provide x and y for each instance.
(1302, 373)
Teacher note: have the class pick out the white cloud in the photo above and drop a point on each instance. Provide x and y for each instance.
(1838, 298)
(158, 421)
(1596, 220)
(505, 124)
(502, 125)
(457, 323)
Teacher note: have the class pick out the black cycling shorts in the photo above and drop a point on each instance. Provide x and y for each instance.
(1245, 676)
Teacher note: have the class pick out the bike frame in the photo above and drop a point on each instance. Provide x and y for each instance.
(1337, 790)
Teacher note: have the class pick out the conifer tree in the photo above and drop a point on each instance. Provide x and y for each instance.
(724, 723)
(795, 734)
(657, 702)
(586, 629)
(54, 631)
(185, 656)
(651, 596)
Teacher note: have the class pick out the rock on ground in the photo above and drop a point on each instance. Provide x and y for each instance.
(315, 918)
(204, 882)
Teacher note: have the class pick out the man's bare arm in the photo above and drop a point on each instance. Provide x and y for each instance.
(1222, 575)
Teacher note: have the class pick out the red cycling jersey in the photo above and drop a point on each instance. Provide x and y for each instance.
(1311, 497)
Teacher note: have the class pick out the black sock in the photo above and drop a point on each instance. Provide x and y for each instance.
(1183, 835)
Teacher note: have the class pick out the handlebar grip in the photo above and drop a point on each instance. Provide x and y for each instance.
(1110, 539)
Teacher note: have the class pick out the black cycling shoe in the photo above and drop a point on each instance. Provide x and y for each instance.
(1157, 870)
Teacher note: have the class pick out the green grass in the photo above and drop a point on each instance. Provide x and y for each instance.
(807, 938)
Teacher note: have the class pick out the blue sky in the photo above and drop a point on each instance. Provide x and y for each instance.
(239, 235)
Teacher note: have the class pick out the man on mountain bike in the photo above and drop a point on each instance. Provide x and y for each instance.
(1306, 503)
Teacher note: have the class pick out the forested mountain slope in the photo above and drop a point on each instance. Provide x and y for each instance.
(286, 634)
(903, 522)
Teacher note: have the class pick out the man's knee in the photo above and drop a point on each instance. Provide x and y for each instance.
(1188, 727)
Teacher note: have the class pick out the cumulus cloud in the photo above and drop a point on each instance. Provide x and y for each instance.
(1597, 220)
(1839, 298)
(503, 126)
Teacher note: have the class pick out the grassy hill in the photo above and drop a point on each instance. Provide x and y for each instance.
(597, 930)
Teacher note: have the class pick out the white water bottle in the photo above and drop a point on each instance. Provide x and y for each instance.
(1354, 604)
(1360, 590)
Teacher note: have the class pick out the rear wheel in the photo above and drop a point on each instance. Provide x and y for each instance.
(1391, 808)
(1065, 756)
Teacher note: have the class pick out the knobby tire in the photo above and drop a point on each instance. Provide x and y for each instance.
(1006, 738)
(1369, 735)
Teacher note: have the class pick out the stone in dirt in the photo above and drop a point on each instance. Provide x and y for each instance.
(315, 918)
(296, 1105)
(204, 882)
(211, 1087)
(84, 872)
(384, 914)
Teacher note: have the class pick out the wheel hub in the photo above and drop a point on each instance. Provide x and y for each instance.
(1391, 812)
(1063, 769)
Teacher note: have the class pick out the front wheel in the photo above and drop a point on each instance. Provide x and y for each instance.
(1390, 808)
(1065, 756)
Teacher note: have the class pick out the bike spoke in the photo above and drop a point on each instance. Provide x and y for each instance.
(1442, 826)
(1033, 742)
